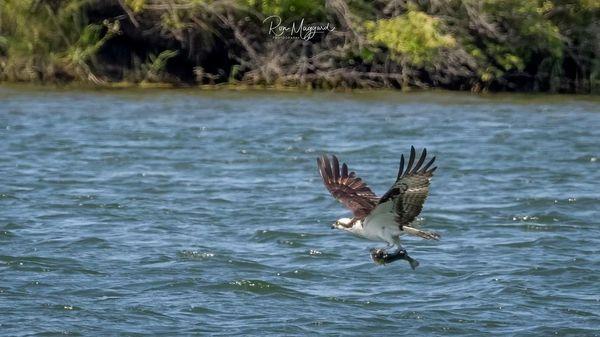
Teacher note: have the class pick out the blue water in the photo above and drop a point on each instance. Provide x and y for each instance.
(187, 212)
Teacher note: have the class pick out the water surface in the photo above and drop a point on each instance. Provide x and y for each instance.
(188, 212)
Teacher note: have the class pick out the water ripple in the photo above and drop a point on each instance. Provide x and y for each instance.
(202, 213)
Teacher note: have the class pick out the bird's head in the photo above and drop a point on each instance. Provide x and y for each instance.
(343, 223)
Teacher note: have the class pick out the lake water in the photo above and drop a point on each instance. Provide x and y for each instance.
(180, 212)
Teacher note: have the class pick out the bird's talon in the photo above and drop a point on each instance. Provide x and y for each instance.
(379, 256)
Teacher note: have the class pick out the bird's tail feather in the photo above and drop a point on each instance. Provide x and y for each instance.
(423, 234)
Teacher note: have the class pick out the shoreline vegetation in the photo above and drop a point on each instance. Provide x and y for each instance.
(507, 45)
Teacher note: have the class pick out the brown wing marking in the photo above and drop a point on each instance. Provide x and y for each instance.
(346, 187)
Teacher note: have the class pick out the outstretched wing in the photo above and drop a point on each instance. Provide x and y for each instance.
(346, 187)
(411, 188)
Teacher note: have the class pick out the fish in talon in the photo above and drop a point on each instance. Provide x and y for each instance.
(384, 218)
(382, 257)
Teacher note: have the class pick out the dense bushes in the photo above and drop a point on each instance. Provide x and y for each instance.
(467, 45)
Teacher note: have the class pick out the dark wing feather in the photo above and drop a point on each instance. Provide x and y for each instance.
(346, 187)
(411, 188)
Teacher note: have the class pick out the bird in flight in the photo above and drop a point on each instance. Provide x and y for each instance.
(383, 218)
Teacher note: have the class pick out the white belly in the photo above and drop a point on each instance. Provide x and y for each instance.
(380, 224)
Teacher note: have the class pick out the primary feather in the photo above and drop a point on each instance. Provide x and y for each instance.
(346, 187)
(411, 188)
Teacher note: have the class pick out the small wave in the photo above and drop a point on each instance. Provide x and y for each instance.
(7, 196)
(539, 227)
(552, 217)
(86, 292)
(200, 310)
(579, 312)
(317, 254)
(12, 225)
(101, 205)
(349, 301)
(183, 284)
(548, 271)
(231, 259)
(195, 255)
(525, 218)
(84, 197)
(265, 235)
(301, 274)
(145, 311)
(89, 242)
(156, 259)
(550, 241)
(6, 235)
(259, 287)
(587, 159)
(289, 243)
(255, 285)
(62, 307)
(45, 264)
(241, 264)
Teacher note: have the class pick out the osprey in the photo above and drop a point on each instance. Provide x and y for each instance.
(383, 218)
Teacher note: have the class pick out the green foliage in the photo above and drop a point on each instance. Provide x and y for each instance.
(415, 37)
(92, 38)
(235, 71)
(136, 5)
(158, 64)
(518, 32)
(289, 9)
(43, 39)
(548, 45)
